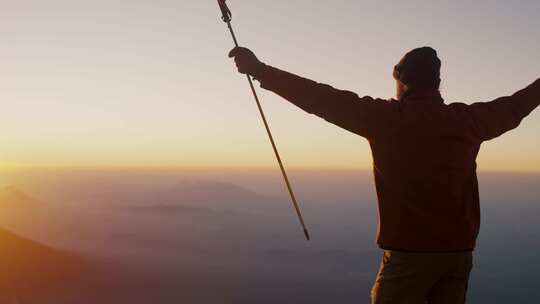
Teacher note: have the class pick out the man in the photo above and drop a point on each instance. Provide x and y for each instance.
(424, 159)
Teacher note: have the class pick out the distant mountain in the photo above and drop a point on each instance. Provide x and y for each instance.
(13, 195)
(18, 209)
(163, 209)
(210, 191)
(215, 195)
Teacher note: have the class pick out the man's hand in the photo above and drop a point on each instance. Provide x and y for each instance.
(247, 62)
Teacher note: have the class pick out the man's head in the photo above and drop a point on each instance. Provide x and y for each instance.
(419, 70)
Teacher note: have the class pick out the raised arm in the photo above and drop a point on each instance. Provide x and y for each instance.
(359, 115)
(494, 118)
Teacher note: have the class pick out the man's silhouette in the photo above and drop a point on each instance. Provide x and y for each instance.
(424, 161)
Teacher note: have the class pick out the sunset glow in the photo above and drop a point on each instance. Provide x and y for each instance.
(94, 84)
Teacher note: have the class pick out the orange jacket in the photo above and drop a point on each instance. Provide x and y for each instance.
(424, 155)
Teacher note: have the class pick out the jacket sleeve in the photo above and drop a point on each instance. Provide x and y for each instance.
(494, 118)
(359, 115)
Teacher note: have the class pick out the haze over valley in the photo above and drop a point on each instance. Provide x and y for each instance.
(169, 236)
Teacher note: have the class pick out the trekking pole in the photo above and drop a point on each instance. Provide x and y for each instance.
(226, 17)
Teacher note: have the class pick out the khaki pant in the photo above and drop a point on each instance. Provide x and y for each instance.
(419, 278)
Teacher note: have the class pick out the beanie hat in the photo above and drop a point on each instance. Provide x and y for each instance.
(419, 69)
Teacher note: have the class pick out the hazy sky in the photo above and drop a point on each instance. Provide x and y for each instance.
(148, 83)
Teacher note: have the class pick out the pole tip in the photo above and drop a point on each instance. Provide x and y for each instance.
(306, 233)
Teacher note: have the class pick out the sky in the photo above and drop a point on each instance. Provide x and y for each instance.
(149, 84)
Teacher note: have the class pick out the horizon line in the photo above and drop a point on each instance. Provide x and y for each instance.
(213, 168)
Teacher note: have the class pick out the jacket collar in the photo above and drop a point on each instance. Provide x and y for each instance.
(431, 96)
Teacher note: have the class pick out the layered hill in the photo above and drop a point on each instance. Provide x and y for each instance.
(35, 273)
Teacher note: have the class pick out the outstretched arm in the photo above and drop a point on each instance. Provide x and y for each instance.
(342, 108)
(494, 118)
